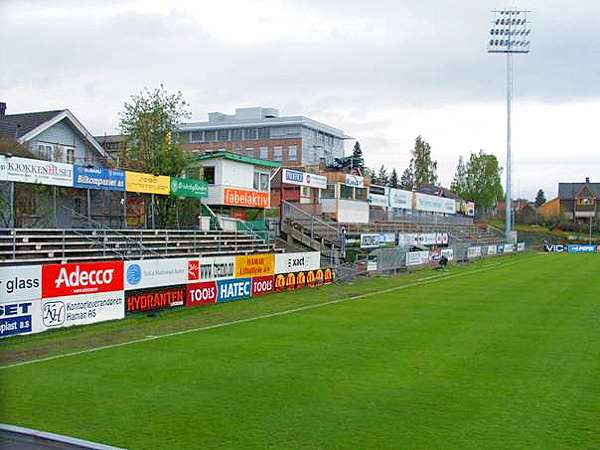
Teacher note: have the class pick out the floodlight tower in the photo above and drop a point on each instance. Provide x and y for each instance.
(509, 33)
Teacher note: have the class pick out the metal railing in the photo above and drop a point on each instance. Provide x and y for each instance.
(313, 226)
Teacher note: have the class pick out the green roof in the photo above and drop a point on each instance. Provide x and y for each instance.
(239, 158)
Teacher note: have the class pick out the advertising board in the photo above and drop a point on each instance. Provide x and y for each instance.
(20, 317)
(298, 178)
(84, 309)
(254, 265)
(156, 298)
(581, 248)
(263, 285)
(521, 246)
(60, 280)
(400, 199)
(556, 248)
(189, 187)
(492, 250)
(25, 170)
(20, 283)
(378, 200)
(370, 240)
(473, 252)
(441, 238)
(417, 258)
(448, 253)
(245, 198)
(146, 273)
(433, 203)
(298, 280)
(98, 178)
(295, 262)
(354, 181)
(232, 290)
(200, 294)
(508, 248)
(217, 267)
(147, 183)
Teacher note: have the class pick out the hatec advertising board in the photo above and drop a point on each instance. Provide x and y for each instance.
(235, 289)
(60, 280)
(200, 294)
(154, 299)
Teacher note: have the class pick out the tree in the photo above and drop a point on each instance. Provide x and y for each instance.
(407, 179)
(394, 179)
(358, 161)
(423, 167)
(480, 181)
(459, 183)
(150, 123)
(383, 178)
(540, 198)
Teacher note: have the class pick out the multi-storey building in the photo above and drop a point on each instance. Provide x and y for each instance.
(261, 133)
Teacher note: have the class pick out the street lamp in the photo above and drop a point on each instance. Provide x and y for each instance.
(509, 33)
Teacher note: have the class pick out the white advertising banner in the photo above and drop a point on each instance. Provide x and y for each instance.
(387, 238)
(417, 258)
(378, 200)
(433, 203)
(370, 240)
(448, 253)
(473, 252)
(60, 312)
(20, 283)
(149, 273)
(508, 248)
(355, 181)
(400, 199)
(297, 262)
(25, 170)
(298, 178)
(521, 247)
(492, 250)
(216, 268)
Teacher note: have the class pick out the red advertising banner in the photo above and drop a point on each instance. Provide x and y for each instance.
(242, 197)
(193, 270)
(60, 280)
(262, 285)
(153, 299)
(199, 294)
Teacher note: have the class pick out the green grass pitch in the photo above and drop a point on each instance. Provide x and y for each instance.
(500, 354)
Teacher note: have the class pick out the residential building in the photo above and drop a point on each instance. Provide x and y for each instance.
(580, 201)
(262, 133)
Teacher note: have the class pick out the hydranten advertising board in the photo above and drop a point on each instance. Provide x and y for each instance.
(231, 290)
(97, 178)
(254, 265)
(25, 170)
(189, 187)
(84, 309)
(248, 199)
(59, 280)
(154, 299)
(199, 294)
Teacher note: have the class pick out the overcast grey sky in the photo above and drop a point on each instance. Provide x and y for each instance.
(382, 71)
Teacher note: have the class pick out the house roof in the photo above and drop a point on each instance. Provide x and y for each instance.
(568, 191)
(239, 158)
(29, 125)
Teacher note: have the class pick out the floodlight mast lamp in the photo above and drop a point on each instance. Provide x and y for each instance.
(509, 34)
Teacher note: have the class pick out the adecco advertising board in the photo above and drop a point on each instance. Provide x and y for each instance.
(20, 300)
(296, 262)
(304, 179)
(81, 293)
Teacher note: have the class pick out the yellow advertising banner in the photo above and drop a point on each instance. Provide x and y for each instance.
(147, 183)
(254, 265)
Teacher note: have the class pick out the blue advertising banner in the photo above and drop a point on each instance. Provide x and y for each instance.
(98, 178)
(235, 289)
(581, 248)
(15, 318)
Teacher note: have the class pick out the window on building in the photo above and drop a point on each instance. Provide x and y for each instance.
(329, 192)
(264, 153)
(196, 136)
(278, 153)
(210, 136)
(236, 135)
(249, 151)
(70, 155)
(292, 153)
(249, 133)
(264, 133)
(361, 194)
(304, 191)
(45, 151)
(223, 135)
(346, 192)
(261, 181)
(209, 174)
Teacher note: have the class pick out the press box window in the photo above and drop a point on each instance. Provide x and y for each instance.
(223, 135)
(209, 175)
(236, 135)
(329, 192)
(261, 181)
(210, 136)
(250, 133)
(277, 153)
(264, 133)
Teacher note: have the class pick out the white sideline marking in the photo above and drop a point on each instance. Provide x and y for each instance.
(426, 280)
